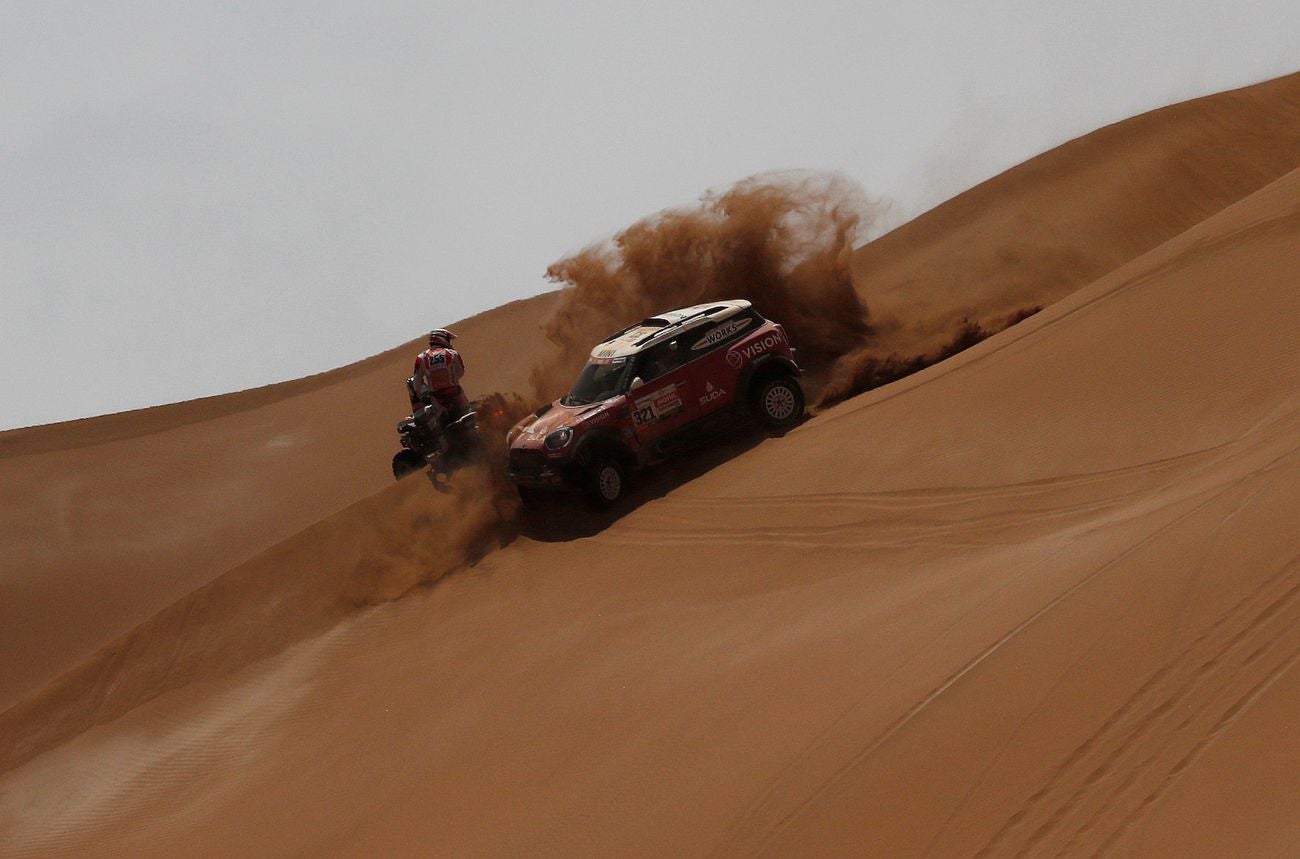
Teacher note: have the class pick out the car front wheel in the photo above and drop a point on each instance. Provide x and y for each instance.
(778, 403)
(606, 481)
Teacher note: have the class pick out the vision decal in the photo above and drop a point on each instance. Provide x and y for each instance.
(741, 354)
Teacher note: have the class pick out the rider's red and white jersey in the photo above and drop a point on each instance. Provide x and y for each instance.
(438, 369)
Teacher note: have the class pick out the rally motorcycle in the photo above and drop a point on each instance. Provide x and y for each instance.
(433, 436)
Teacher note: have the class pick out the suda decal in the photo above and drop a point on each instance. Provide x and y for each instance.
(711, 393)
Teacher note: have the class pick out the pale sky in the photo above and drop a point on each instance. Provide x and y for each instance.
(197, 198)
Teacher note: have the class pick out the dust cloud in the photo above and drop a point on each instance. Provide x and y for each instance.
(423, 535)
(864, 369)
(783, 240)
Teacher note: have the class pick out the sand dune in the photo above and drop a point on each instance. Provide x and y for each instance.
(1041, 598)
(110, 519)
(1043, 229)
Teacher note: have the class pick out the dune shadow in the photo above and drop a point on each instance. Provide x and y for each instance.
(567, 516)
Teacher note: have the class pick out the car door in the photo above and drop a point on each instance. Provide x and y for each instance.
(714, 374)
(666, 399)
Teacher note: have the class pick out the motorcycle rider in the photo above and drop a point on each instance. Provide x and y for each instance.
(437, 374)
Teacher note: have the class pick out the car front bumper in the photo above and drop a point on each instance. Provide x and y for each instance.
(531, 467)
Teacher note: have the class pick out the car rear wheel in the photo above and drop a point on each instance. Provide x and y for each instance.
(778, 403)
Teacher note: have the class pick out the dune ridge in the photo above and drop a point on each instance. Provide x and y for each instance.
(1039, 231)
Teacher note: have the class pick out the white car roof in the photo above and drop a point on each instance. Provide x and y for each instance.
(660, 327)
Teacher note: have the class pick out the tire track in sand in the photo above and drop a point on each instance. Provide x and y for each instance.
(749, 835)
(1174, 713)
(753, 838)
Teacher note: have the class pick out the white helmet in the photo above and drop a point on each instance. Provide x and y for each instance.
(440, 337)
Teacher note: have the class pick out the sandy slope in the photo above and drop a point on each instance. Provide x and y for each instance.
(1063, 219)
(1041, 597)
(107, 520)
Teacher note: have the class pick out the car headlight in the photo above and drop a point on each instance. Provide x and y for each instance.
(559, 438)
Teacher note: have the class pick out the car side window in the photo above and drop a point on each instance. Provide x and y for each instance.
(667, 356)
(661, 359)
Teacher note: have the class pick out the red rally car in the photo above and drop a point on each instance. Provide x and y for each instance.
(650, 390)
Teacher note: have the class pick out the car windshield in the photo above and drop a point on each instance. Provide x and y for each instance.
(599, 380)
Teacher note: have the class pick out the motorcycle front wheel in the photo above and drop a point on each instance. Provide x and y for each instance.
(406, 462)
